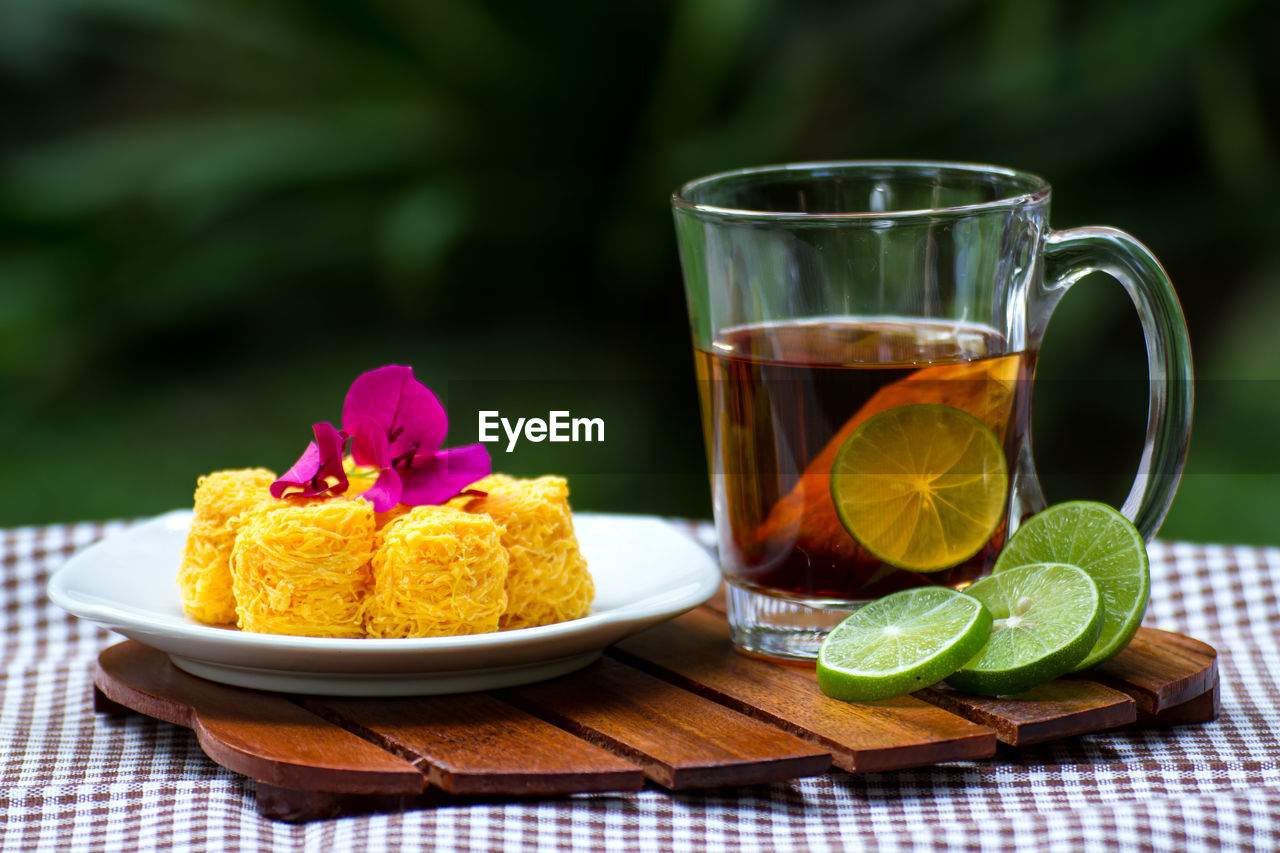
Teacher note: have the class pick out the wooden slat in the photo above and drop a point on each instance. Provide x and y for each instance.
(1159, 669)
(261, 735)
(472, 743)
(694, 650)
(682, 740)
(1200, 709)
(1059, 709)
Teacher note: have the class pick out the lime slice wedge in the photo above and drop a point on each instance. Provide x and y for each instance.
(922, 486)
(1046, 619)
(902, 642)
(1105, 544)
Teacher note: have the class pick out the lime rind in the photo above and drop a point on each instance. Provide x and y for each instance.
(1104, 544)
(900, 643)
(1046, 618)
(961, 459)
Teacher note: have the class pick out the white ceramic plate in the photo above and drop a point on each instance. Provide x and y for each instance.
(645, 571)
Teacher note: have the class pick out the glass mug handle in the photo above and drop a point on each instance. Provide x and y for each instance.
(1069, 256)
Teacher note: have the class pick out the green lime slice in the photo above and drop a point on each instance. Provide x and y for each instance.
(902, 642)
(1046, 619)
(1105, 544)
(922, 486)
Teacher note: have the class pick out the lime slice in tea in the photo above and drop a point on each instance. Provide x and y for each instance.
(1105, 544)
(902, 642)
(921, 486)
(1046, 619)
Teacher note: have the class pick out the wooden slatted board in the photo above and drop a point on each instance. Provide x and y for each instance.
(675, 705)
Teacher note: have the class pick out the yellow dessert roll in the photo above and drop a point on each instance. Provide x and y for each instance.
(302, 567)
(204, 578)
(437, 571)
(548, 581)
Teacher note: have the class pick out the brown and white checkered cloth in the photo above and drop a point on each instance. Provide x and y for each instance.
(72, 781)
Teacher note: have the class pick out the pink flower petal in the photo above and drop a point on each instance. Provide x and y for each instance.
(385, 493)
(319, 470)
(436, 478)
(408, 413)
(331, 442)
(299, 477)
(369, 443)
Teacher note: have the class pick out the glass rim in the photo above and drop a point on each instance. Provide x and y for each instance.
(1038, 190)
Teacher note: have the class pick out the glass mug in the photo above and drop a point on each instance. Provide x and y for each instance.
(822, 295)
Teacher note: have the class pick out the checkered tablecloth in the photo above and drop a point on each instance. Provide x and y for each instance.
(70, 780)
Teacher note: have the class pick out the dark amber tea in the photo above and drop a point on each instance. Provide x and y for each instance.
(779, 400)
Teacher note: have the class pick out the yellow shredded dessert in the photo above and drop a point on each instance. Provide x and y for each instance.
(548, 581)
(437, 571)
(302, 567)
(204, 578)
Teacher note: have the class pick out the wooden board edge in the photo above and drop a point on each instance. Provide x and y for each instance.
(290, 805)
(1197, 710)
(975, 747)
(1118, 710)
(280, 772)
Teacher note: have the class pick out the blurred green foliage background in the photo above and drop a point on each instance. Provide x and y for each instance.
(214, 214)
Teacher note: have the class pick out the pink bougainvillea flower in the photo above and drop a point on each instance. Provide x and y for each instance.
(319, 470)
(397, 426)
